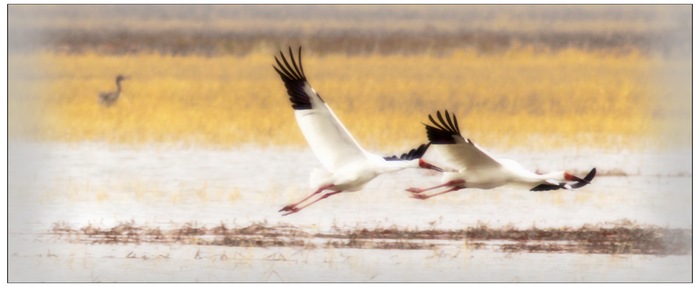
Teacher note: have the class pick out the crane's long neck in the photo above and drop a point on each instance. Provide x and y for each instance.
(522, 174)
(557, 175)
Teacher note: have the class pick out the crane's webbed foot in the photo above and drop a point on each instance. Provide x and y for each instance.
(291, 211)
(289, 208)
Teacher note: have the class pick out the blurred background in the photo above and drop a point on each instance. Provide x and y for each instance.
(544, 75)
(349, 29)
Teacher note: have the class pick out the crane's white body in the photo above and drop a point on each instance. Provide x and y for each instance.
(346, 165)
(478, 169)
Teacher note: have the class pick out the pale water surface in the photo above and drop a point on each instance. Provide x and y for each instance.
(104, 185)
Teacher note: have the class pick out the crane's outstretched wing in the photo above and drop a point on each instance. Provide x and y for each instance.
(328, 138)
(450, 144)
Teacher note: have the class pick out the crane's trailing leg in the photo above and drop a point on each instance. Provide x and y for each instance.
(417, 190)
(423, 196)
(297, 209)
(292, 206)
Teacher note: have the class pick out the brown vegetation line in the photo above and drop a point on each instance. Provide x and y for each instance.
(613, 239)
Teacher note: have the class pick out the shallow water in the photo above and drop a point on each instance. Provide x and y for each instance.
(151, 262)
(104, 185)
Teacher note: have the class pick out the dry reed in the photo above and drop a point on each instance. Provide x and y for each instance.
(518, 98)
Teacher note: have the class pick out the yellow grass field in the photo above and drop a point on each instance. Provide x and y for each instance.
(520, 98)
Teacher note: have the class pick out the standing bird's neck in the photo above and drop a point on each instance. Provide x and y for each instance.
(119, 85)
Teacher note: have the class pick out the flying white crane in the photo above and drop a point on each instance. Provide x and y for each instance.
(347, 165)
(109, 98)
(479, 169)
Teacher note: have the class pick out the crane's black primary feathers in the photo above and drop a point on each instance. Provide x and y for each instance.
(547, 187)
(410, 155)
(444, 131)
(294, 80)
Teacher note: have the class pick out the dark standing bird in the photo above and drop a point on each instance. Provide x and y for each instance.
(347, 165)
(109, 98)
(478, 169)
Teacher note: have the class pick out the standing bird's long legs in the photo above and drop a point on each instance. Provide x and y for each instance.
(423, 196)
(449, 183)
(297, 209)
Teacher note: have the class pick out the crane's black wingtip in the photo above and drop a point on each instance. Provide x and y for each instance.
(410, 155)
(292, 74)
(586, 180)
(444, 129)
(545, 187)
(438, 135)
(590, 175)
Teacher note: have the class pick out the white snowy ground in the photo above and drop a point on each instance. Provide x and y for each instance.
(104, 185)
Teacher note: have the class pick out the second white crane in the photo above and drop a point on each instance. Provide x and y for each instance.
(479, 169)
